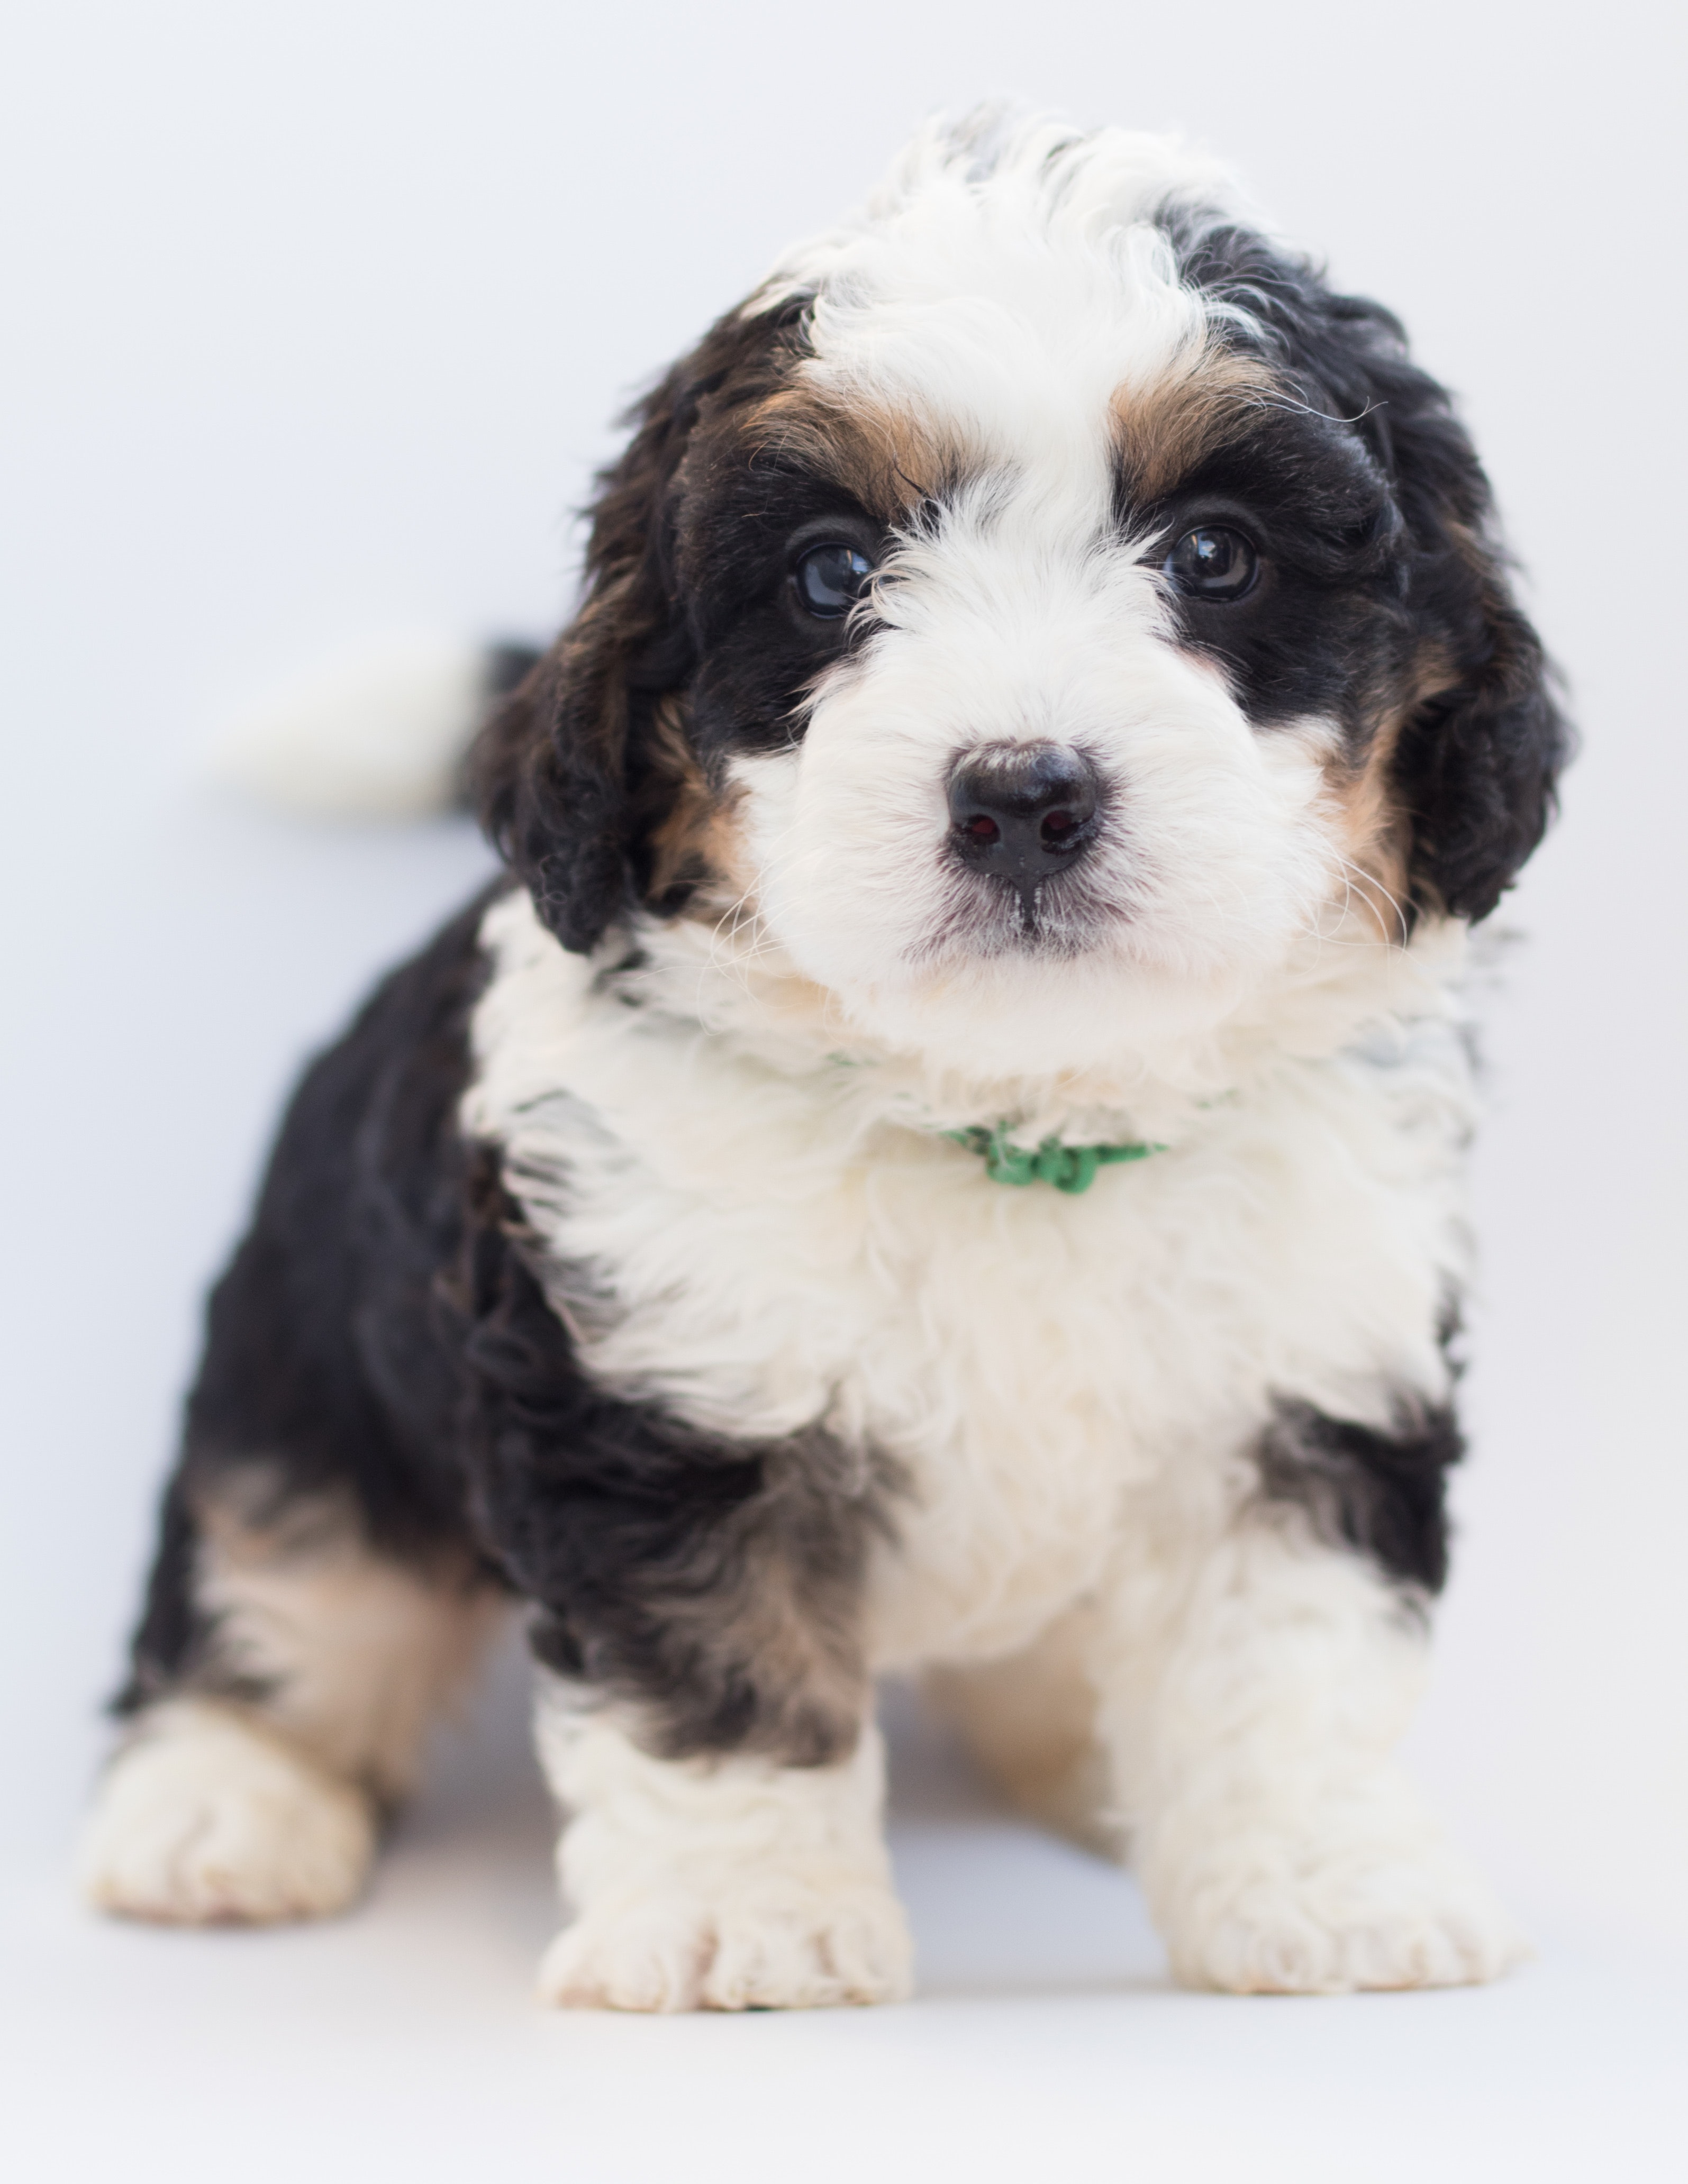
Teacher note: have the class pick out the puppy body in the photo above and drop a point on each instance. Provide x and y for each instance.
(1024, 693)
(1053, 1404)
(769, 1250)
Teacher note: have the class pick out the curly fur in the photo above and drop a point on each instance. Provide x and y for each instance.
(621, 1259)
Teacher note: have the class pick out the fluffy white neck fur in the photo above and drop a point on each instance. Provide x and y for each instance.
(1160, 1064)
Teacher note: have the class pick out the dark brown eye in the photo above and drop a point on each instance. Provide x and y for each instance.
(1213, 564)
(830, 579)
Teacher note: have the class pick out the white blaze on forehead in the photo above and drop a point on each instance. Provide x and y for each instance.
(1003, 297)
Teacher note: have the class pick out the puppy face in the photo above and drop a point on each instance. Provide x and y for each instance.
(1042, 610)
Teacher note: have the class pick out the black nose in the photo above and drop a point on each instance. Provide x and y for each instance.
(1023, 810)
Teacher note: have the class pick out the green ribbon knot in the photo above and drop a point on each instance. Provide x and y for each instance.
(1071, 1168)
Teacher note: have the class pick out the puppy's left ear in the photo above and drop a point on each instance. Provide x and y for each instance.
(1478, 756)
(1477, 759)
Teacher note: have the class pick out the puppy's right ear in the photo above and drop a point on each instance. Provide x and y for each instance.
(550, 769)
(564, 771)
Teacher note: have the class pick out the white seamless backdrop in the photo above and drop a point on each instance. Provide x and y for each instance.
(317, 315)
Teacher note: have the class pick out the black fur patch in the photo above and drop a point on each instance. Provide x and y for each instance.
(716, 1583)
(1365, 467)
(507, 666)
(323, 1361)
(171, 1642)
(381, 1345)
(1381, 1492)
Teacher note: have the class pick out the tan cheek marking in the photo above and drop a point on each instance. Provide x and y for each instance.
(729, 849)
(699, 840)
(1374, 834)
(685, 842)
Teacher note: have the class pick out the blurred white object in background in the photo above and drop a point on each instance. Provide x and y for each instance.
(377, 732)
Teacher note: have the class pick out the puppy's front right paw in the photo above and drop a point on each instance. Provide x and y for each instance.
(1336, 1916)
(204, 1819)
(757, 1945)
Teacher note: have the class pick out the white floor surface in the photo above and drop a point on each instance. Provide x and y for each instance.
(1046, 2040)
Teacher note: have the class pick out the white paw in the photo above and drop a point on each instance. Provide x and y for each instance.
(1294, 1917)
(203, 1819)
(768, 1944)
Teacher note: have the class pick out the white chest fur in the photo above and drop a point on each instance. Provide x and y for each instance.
(759, 1249)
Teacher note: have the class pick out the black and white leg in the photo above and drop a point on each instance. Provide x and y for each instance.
(729, 1881)
(705, 1716)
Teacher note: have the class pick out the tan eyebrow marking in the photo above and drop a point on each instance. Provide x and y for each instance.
(887, 458)
(1164, 429)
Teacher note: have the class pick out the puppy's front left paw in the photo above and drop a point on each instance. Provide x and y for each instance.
(1295, 1917)
(763, 1945)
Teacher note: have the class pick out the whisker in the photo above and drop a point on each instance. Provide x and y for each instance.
(1370, 880)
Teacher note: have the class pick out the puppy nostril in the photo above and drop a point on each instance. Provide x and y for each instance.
(1022, 811)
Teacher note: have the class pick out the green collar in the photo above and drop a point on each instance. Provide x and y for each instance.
(1071, 1168)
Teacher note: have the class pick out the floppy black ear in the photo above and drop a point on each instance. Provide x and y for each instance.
(1478, 761)
(576, 767)
(551, 768)
(1478, 756)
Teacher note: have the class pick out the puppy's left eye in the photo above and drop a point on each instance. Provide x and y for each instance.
(1213, 564)
(830, 579)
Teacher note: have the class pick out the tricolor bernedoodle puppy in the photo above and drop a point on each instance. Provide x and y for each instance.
(942, 1152)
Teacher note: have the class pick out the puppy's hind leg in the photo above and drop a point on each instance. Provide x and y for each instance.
(1030, 1721)
(285, 1676)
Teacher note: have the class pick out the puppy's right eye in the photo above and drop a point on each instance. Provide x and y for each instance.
(1213, 564)
(830, 579)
